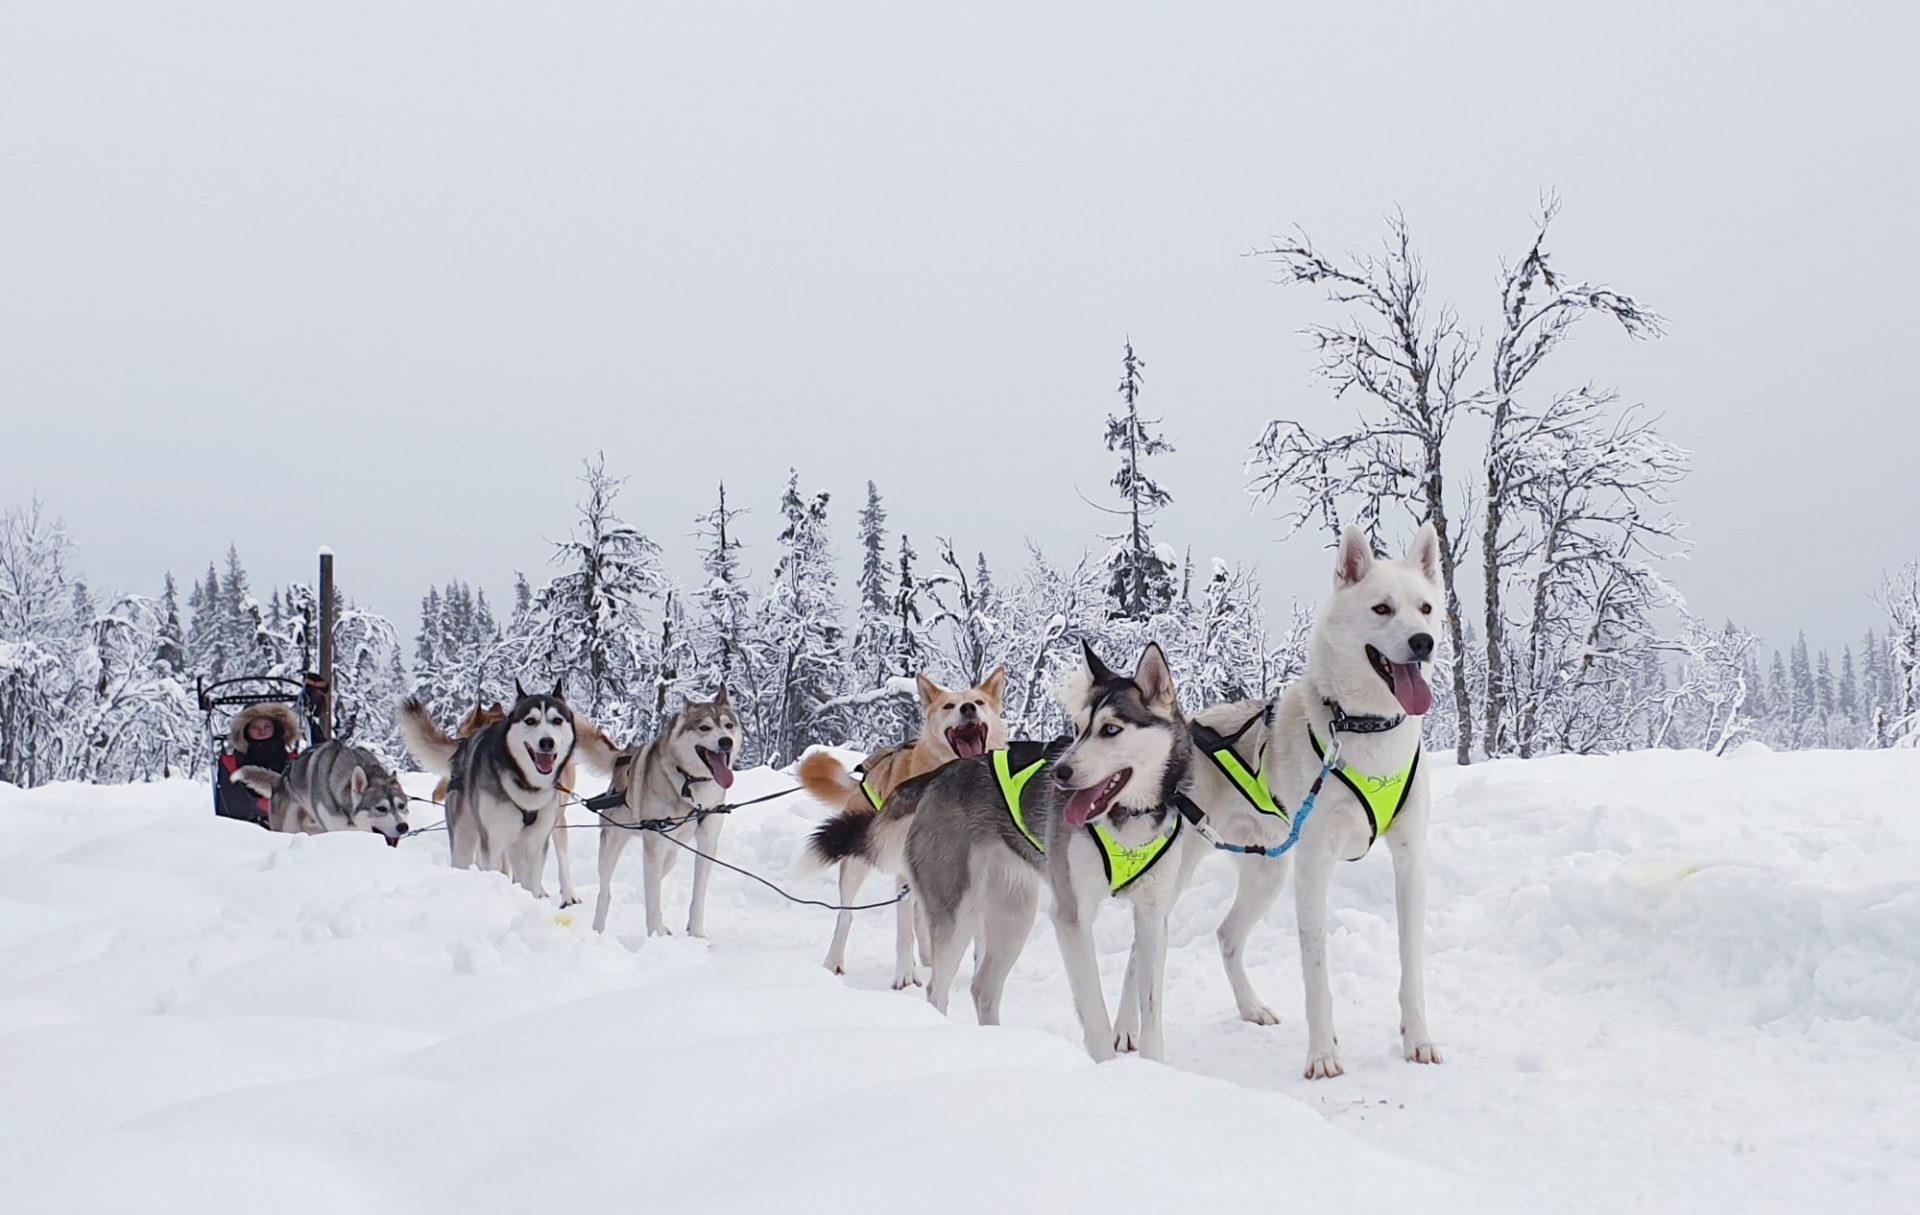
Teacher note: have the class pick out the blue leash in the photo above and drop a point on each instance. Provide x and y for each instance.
(1299, 817)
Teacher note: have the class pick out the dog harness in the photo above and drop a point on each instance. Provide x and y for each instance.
(1381, 797)
(1124, 865)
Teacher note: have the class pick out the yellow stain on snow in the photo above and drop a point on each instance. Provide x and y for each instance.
(564, 920)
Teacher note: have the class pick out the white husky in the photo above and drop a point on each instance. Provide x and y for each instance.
(1364, 689)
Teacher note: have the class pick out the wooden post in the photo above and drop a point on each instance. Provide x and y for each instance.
(323, 692)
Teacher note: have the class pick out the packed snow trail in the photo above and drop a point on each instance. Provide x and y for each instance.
(1662, 981)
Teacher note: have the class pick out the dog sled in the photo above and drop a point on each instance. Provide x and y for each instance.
(229, 706)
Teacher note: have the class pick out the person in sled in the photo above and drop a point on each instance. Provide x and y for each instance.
(263, 736)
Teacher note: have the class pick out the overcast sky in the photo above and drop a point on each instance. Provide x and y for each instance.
(379, 275)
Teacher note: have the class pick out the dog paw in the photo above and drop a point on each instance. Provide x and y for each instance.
(662, 931)
(1324, 1066)
(1259, 1014)
(1423, 1052)
(569, 900)
(838, 970)
(1126, 1041)
(906, 979)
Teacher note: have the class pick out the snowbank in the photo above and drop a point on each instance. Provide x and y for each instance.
(1662, 981)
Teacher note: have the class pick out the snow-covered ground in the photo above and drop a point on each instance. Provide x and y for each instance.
(1663, 982)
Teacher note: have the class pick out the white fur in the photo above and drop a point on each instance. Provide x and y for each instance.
(1337, 669)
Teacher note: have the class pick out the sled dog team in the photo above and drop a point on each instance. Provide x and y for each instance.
(972, 825)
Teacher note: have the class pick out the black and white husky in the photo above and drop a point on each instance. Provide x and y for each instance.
(1091, 816)
(503, 782)
(1365, 689)
(673, 778)
(332, 786)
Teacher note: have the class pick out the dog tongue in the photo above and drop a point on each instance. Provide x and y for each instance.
(1410, 688)
(722, 771)
(1082, 806)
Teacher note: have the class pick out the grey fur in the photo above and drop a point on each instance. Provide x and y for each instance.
(331, 787)
(667, 778)
(501, 808)
(950, 834)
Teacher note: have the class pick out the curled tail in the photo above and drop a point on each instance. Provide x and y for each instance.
(591, 745)
(431, 747)
(260, 780)
(825, 778)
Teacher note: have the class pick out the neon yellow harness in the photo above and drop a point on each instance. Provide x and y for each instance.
(873, 795)
(1382, 797)
(1124, 865)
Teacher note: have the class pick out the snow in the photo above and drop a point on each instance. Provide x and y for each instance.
(1662, 981)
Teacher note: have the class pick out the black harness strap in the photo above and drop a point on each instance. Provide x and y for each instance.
(1364, 723)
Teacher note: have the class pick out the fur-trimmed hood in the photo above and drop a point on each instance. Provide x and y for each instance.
(284, 714)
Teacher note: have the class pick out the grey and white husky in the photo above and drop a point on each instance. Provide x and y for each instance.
(503, 782)
(687, 769)
(332, 787)
(1364, 688)
(1091, 816)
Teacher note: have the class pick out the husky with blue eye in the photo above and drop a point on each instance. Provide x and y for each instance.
(1091, 816)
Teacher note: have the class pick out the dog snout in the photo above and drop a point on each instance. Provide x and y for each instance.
(546, 744)
(1421, 645)
(968, 713)
(726, 746)
(1063, 775)
(401, 828)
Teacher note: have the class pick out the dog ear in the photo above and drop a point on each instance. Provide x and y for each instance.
(1154, 678)
(1425, 551)
(721, 699)
(558, 686)
(929, 690)
(519, 693)
(995, 688)
(357, 783)
(1355, 559)
(1095, 667)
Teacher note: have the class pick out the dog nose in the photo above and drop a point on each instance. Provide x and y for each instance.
(1422, 646)
(1063, 774)
(968, 712)
(546, 744)
(400, 827)
(726, 745)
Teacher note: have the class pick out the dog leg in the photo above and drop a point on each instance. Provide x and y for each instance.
(1073, 925)
(1410, 906)
(527, 859)
(613, 841)
(1126, 1016)
(853, 871)
(1261, 881)
(655, 859)
(1310, 906)
(905, 973)
(923, 931)
(561, 855)
(706, 837)
(1004, 926)
(1149, 959)
(949, 946)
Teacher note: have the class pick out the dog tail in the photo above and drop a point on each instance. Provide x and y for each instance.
(260, 780)
(847, 834)
(592, 745)
(825, 778)
(431, 747)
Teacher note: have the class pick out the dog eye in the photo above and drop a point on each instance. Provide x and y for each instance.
(947, 707)
(706, 727)
(1110, 730)
(1426, 609)
(1383, 609)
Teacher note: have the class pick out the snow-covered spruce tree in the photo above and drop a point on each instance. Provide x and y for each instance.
(368, 681)
(1539, 309)
(590, 627)
(1802, 704)
(457, 651)
(1899, 597)
(880, 707)
(1141, 575)
(1407, 364)
(1228, 652)
(1846, 696)
(722, 619)
(910, 645)
(240, 624)
(173, 636)
(1050, 610)
(801, 629)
